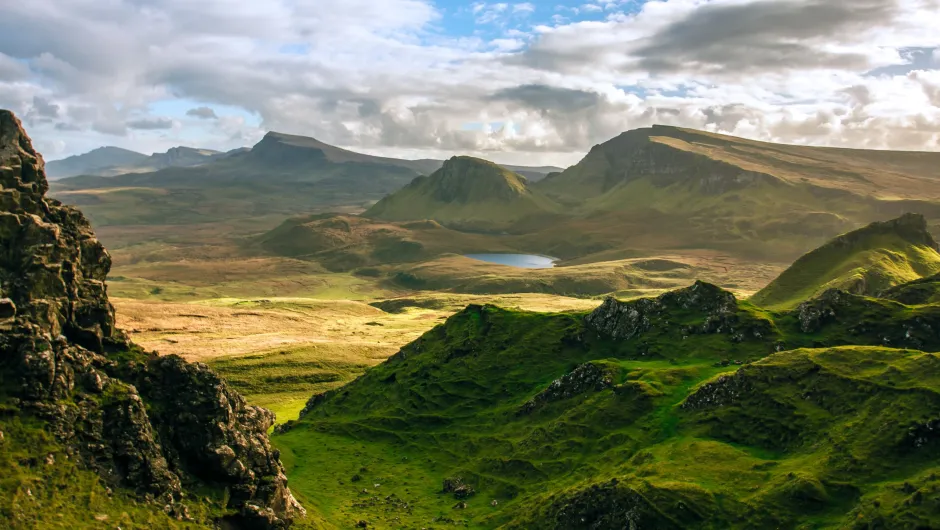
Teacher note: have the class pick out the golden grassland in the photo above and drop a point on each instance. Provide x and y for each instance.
(296, 347)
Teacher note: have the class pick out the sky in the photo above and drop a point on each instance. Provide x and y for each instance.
(532, 83)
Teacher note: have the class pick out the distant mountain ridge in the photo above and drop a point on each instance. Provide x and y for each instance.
(720, 163)
(282, 174)
(110, 161)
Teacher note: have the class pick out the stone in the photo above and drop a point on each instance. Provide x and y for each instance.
(7, 309)
(458, 488)
(588, 377)
(629, 320)
(148, 425)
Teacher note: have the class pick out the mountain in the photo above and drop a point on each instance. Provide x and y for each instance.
(94, 429)
(715, 164)
(468, 193)
(94, 162)
(281, 175)
(689, 410)
(111, 161)
(671, 188)
(865, 262)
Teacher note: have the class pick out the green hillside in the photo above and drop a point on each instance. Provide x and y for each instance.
(467, 193)
(866, 261)
(923, 291)
(718, 163)
(670, 188)
(673, 412)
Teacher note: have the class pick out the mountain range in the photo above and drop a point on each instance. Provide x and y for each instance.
(813, 404)
(666, 189)
(281, 175)
(111, 161)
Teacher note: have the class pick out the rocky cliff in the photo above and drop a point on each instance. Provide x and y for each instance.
(156, 425)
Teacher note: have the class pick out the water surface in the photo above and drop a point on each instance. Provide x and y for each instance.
(523, 261)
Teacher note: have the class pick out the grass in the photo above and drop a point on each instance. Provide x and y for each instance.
(806, 445)
(282, 380)
(469, 193)
(42, 487)
(866, 261)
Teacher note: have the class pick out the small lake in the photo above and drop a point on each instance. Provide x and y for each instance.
(523, 261)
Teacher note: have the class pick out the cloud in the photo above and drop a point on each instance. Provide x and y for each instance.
(203, 113)
(857, 73)
(150, 124)
(63, 126)
(545, 98)
(768, 35)
(42, 109)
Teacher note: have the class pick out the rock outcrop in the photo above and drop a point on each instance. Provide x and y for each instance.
(715, 309)
(589, 377)
(151, 424)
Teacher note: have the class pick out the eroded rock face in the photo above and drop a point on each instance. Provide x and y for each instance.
(607, 506)
(628, 320)
(814, 314)
(588, 377)
(145, 423)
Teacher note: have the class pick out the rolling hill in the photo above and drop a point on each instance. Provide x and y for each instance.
(467, 193)
(689, 410)
(865, 262)
(100, 159)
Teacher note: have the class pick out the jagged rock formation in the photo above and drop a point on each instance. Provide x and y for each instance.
(629, 320)
(151, 424)
(585, 378)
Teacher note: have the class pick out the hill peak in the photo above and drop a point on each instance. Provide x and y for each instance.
(465, 192)
(467, 179)
(865, 261)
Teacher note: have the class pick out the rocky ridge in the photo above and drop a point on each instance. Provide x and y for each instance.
(631, 319)
(154, 425)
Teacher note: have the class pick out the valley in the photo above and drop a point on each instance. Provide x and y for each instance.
(675, 363)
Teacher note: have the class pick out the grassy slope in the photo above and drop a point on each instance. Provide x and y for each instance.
(889, 175)
(866, 261)
(789, 451)
(917, 292)
(41, 488)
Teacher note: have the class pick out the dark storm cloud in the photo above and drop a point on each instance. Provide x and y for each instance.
(762, 36)
(203, 113)
(547, 98)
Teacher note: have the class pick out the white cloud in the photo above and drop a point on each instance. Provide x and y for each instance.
(384, 77)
